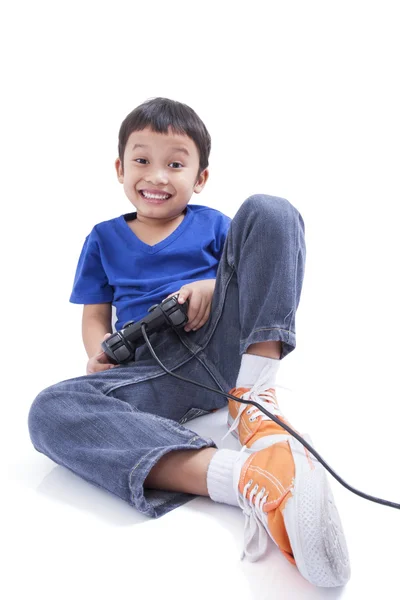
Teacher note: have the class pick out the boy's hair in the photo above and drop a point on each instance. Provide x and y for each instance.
(161, 113)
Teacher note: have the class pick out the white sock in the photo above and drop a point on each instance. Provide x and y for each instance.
(221, 481)
(251, 368)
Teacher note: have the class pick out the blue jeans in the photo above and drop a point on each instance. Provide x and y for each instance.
(112, 427)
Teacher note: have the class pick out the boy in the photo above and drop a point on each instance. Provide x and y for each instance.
(120, 427)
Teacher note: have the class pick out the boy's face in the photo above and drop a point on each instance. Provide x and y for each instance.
(160, 165)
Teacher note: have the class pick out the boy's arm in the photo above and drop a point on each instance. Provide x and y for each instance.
(96, 322)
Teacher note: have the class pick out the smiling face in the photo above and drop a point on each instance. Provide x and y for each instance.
(161, 164)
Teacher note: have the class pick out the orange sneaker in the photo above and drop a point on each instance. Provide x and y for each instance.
(248, 423)
(284, 493)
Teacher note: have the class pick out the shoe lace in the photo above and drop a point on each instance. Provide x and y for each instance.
(257, 393)
(255, 531)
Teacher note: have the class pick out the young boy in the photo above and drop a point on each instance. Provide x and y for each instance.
(120, 427)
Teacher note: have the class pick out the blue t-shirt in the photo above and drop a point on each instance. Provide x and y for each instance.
(116, 266)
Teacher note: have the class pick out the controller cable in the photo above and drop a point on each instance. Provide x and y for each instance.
(273, 418)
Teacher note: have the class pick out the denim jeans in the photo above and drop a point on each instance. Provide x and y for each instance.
(112, 427)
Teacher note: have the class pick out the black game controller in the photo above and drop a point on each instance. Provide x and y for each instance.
(120, 346)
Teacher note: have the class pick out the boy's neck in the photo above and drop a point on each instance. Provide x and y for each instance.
(160, 224)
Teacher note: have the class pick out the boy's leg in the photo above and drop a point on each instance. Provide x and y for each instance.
(257, 290)
(277, 482)
(184, 471)
(113, 427)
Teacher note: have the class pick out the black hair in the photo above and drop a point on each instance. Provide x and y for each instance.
(160, 114)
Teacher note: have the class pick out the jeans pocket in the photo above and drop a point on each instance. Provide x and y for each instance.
(193, 413)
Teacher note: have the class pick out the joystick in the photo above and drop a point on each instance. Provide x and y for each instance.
(120, 346)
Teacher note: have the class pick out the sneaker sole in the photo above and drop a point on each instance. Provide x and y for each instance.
(313, 524)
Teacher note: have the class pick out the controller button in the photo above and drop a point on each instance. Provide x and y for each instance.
(127, 324)
(122, 353)
(169, 303)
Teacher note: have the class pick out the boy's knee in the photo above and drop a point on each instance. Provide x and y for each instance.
(263, 203)
(271, 210)
(41, 415)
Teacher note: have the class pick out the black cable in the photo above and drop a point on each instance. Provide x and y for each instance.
(278, 422)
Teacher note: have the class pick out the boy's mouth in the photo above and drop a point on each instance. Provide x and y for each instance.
(154, 198)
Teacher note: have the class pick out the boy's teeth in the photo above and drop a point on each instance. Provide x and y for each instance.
(155, 196)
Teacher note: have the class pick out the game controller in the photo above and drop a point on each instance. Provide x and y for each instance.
(120, 346)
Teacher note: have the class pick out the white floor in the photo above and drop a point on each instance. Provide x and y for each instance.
(68, 539)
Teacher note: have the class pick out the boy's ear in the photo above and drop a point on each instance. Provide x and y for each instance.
(201, 182)
(118, 168)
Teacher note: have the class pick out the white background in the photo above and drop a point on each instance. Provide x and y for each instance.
(302, 101)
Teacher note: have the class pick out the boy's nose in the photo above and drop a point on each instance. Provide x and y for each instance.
(157, 177)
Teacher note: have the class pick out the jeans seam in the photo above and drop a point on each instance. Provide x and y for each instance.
(204, 365)
(288, 331)
(295, 270)
(147, 378)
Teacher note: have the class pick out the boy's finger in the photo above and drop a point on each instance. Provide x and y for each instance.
(191, 319)
(195, 314)
(170, 295)
(184, 294)
(203, 320)
(198, 321)
(103, 367)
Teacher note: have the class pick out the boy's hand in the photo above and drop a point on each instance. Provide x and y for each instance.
(99, 362)
(199, 294)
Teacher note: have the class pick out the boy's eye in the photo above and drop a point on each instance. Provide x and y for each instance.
(145, 159)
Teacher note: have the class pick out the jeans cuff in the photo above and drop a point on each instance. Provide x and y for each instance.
(271, 334)
(156, 503)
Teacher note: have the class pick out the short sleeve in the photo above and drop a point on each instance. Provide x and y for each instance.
(221, 229)
(91, 284)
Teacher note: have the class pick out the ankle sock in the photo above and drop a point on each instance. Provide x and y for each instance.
(226, 464)
(220, 475)
(251, 368)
